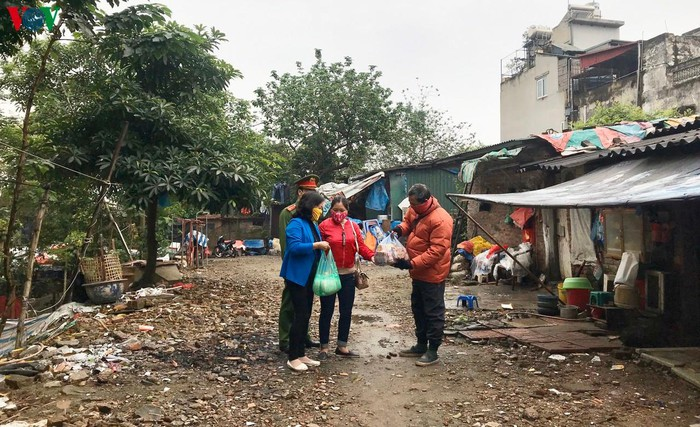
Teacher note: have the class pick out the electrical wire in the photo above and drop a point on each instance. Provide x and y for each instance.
(56, 164)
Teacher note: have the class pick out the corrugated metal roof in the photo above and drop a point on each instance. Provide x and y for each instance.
(628, 183)
(467, 155)
(684, 127)
(668, 139)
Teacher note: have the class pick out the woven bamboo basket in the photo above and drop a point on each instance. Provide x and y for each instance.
(101, 269)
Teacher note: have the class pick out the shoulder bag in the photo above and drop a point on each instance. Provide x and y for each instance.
(361, 279)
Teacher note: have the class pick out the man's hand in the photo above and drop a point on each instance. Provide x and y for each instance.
(403, 264)
(398, 231)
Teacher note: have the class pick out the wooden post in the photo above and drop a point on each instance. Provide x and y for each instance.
(38, 220)
(103, 190)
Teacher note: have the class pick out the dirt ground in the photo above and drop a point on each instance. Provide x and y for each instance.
(212, 360)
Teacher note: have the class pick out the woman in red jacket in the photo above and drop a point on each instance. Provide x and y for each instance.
(345, 239)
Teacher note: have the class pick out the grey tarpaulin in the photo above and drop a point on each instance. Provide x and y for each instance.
(632, 182)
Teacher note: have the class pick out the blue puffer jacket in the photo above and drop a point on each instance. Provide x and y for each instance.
(299, 255)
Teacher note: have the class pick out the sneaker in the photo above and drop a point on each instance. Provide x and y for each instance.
(322, 355)
(415, 351)
(429, 358)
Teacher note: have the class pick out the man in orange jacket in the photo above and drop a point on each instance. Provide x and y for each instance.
(428, 228)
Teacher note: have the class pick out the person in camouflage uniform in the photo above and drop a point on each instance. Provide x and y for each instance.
(307, 183)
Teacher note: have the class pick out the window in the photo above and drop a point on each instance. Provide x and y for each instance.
(541, 86)
(623, 232)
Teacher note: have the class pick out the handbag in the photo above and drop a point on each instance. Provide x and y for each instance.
(361, 279)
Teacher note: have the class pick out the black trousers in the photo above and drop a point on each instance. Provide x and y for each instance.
(428, 306)
(302, 300)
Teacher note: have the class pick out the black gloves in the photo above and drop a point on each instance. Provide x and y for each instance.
(397, 230)
(403, 264)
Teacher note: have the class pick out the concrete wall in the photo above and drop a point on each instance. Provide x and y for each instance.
(622, 90)
(522, 113)
(587, 36)
(671, 75)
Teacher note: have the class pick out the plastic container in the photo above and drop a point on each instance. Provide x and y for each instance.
(601, 298)
(562, 292)
(548, 305)
(578, 292)
(568, 311)
(626, 296)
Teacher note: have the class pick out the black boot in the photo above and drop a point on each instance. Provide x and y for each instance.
(416, 351)
(429, 358)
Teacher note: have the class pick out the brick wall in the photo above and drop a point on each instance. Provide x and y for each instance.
(493, 180)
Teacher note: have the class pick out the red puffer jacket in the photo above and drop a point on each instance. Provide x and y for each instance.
(343, 247)
(428, 242)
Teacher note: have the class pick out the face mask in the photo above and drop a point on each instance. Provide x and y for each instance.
(316, 214)
(420, 209)
(338, 217)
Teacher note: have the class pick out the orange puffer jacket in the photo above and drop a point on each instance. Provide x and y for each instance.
(428, 243)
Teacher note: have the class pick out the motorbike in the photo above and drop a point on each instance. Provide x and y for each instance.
(225, 248)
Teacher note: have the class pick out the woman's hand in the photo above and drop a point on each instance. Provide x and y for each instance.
(323, 245)
(372, 259)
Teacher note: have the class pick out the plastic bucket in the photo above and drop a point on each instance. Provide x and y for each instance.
(568, 311)
(562, 292)
(578, 297)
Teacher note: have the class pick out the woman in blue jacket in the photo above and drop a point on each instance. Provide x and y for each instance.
(301, 256)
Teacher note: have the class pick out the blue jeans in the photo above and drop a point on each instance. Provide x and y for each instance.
(346, 299)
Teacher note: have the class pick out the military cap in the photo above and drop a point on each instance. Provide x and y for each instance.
(309, 182)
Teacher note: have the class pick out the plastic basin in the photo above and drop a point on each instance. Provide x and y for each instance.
(577, 283)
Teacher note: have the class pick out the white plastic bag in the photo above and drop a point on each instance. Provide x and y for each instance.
(390, 250)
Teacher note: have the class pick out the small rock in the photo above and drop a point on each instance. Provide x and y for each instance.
(149, 413)
(78, 376)
(132, 345)
(52, 384)
(16, 382)
(531, 414)
(57, 421)
(557, 357)
(45, 376)
(492, 424)
(105, 376)
(596, 360)
(69, 343)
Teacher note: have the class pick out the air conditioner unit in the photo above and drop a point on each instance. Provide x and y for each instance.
(654, 284)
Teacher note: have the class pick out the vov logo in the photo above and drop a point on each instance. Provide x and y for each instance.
(33, 18)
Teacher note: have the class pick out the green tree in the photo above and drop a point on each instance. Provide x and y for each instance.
(166, 82)
(423, 133)
(620, 111)
(329, 116)
(75, 15)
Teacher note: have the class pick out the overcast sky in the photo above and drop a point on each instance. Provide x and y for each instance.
(454, 45)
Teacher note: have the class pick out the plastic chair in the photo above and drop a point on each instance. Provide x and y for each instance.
(468, 301)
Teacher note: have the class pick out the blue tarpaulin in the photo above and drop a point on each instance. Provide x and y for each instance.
(377, 198)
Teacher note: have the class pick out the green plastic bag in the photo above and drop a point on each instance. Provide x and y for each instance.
(327, 280)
